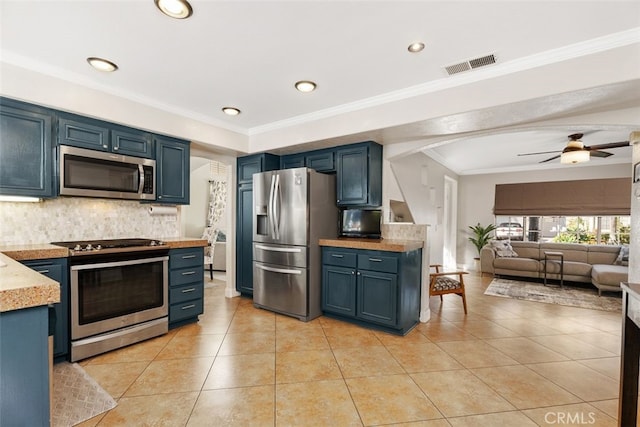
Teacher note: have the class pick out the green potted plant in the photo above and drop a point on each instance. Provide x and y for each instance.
(481, 236)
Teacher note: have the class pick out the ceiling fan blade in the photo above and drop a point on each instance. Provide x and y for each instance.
(597, 153)
(541, 152)
(606, 146)
(551, 158)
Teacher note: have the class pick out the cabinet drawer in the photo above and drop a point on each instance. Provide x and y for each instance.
(337, 257)
(385, 264)
(180, 258)
(186, 292)
(52, 271)
(186, 275)
(185, 310)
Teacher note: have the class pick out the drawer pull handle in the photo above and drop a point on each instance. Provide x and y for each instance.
(337, 256)
(188, 256)
(42, 271)
(186, 291)
(375, 260)
(188, 273)
(187, 307)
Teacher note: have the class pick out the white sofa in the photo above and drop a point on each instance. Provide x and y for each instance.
(599, 265)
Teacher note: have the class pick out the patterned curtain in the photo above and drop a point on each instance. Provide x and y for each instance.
(217, 205)
(217, 202)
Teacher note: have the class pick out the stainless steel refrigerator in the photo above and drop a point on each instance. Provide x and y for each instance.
(293, 209)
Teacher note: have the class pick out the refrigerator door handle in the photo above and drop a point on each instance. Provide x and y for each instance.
(275, 249)
(276, 207)
(270, 211)
(278, 270)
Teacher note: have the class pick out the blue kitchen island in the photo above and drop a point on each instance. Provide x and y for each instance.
(374, 283)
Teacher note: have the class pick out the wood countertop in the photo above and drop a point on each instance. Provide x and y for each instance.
(390, 245)
(185, 242)
(21, 287)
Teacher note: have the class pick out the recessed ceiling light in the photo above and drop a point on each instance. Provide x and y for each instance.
(102, 64)
(415, 47)
(179, 9)
(230, 111)
(305, 86)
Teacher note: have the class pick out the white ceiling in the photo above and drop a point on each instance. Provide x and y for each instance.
(248, 54)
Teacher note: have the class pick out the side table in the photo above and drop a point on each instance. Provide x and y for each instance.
(547, 256)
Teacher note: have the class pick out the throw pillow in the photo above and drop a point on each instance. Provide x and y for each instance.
(502, 248)
(623, 256)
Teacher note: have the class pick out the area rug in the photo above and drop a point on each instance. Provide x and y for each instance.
(76, 396)
(569, 295)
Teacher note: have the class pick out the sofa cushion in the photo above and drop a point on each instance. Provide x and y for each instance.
(570, 268)
(602, 254)
(572, 251)
(527, 249)
(516, 263)
(610, 275)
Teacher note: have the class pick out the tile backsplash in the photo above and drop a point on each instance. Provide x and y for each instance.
(402, 231)
(77, 218)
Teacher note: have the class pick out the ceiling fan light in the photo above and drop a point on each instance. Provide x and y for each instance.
(574, 156)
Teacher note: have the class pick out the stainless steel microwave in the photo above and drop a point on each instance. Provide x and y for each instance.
(92, 173)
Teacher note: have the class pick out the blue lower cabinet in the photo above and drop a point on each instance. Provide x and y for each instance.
(24, 364)
(56, 269)
(378, 297)
(378, 289)
(186, 285)
(339, 290)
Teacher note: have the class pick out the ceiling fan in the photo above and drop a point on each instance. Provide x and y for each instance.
(577, 152)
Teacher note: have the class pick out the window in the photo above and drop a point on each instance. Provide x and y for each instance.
(607, 230)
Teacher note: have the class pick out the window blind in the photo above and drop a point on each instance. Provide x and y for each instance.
(611, 196)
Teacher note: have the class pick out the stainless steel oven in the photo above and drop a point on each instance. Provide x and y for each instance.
(118, 296)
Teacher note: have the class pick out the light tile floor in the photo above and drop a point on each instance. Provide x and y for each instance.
(506, 363)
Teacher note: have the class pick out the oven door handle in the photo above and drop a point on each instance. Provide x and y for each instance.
(118, 263)
(140, 179)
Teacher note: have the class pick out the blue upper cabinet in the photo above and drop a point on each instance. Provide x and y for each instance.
(131, 142)
(319, 160)
(172, 170)
(359, 175)
(25, 149)
(84, 132)
(255, 163)
(291, 161)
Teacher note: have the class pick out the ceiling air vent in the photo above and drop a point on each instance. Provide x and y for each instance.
(471, 64)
